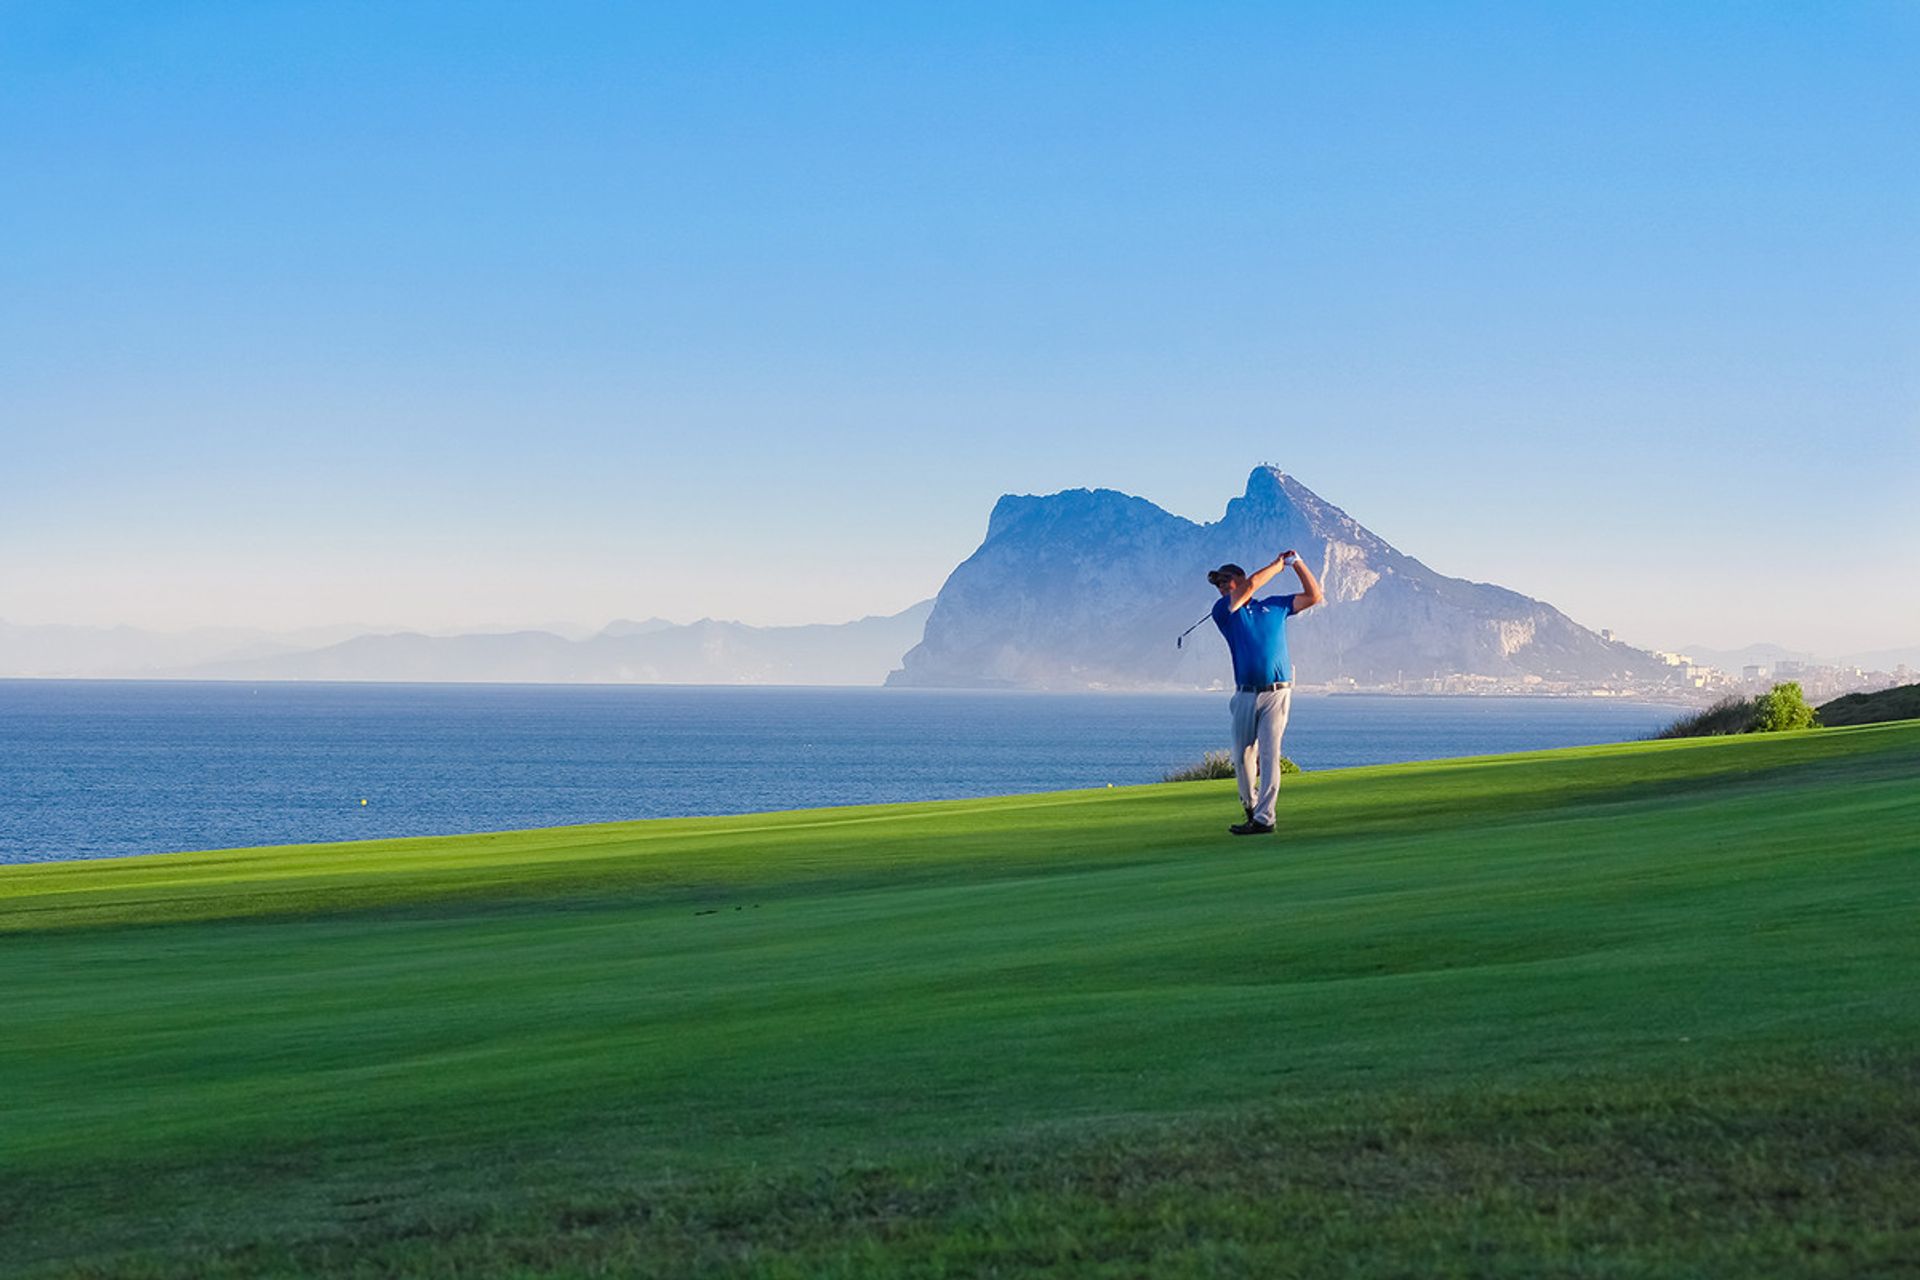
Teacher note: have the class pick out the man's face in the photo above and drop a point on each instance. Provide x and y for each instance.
(1228, 585)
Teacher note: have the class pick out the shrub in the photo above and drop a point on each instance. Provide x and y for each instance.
(1782, 707)
(1729, 715)
(1214, 764)
(1218, 764)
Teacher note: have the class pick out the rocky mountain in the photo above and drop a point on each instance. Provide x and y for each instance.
(650, 652)
(1088, 588)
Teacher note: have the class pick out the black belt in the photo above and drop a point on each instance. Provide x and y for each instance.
(1265, 688)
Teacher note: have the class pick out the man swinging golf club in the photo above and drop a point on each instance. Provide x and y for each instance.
(1256, 632)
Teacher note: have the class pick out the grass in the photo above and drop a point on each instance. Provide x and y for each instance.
(1637, 1010)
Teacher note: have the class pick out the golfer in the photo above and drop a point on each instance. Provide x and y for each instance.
(1256, 632)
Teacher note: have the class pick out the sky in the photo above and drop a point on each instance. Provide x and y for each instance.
(447, 314)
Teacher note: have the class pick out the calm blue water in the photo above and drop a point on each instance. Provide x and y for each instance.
(93, 769)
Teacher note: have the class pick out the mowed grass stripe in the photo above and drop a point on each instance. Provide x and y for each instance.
(890, 842)
(918, 985)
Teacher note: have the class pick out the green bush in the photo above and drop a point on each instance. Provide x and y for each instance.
(1782, 707)
(1218, 764)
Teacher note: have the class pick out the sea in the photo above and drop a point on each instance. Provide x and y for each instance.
(108, 768)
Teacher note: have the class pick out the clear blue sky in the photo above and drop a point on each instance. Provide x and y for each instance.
(436, 314)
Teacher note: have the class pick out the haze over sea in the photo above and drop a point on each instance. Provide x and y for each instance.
(94, 769)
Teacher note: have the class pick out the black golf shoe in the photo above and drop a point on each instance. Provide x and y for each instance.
(1250, 828)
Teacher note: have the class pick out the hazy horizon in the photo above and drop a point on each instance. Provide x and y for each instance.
(494, 313)
(583, 623)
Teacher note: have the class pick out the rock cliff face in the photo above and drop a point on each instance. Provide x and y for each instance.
(1088, 588)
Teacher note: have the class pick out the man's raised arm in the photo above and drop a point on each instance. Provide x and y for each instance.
(1259, 579)
(1310, 595)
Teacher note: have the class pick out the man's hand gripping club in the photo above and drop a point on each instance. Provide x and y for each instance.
(1308, 596)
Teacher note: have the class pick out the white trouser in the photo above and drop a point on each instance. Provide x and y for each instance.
(1258, 721)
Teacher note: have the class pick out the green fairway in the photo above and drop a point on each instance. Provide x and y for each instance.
(1649, 1009)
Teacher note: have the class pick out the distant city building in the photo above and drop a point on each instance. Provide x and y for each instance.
(1753, 671)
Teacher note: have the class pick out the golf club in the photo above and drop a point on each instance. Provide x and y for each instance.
(1181, 639)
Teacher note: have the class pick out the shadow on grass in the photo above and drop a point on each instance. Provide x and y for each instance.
(1781, 1169)
(722, 863)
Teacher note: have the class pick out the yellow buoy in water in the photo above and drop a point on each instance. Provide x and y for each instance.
(363, 799)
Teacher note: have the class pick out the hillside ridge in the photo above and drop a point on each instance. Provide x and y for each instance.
(1086, 589)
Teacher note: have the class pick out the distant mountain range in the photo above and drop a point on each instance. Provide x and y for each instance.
(1732, 660)
(1088, 588)
(1882, 659)
(1769, 655)
(61, 650)
(1076, 590)
(654, 651)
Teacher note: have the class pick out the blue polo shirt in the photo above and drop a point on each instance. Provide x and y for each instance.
(1256, 635)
